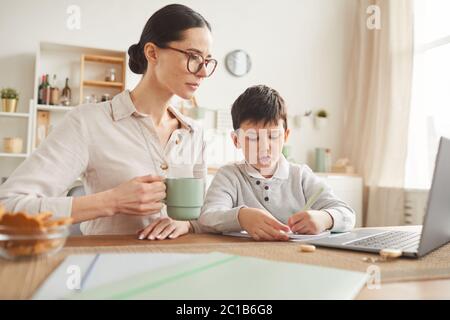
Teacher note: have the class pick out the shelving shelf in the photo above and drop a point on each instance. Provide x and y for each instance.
(102, 84)
(41, 107)
(14, 115)
(89, 61)
(85, 67)
(13, 155)
(103, 59)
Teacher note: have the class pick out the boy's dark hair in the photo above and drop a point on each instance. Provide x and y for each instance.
(259, 103)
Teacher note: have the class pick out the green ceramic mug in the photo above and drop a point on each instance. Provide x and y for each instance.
(184, 198)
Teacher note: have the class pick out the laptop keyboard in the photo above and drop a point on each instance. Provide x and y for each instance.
(404, 240)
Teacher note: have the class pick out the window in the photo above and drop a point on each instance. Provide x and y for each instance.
(430, 107)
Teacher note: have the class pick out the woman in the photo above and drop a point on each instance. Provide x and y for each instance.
(123, 148)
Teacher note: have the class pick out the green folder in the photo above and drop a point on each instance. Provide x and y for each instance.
(224, 277)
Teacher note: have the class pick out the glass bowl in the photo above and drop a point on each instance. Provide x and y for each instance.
(19, 243)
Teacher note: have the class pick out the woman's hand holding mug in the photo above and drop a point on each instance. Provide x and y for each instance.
(140, 196)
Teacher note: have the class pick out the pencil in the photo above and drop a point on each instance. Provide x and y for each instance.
(313, 199)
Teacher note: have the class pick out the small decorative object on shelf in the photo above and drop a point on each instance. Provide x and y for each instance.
(321, 119)
(12, 145)
(342, 166)
(106, 97)
(110, 75)
(46, 90)
(87, 100)
(323, 160)
(42, 126)
(54, 92)
(66, 96)
(299, 120)
(90, 99)
(41, 90)
(9, 100)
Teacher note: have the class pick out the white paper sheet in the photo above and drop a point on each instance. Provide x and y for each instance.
(97, 270)
(292, 236)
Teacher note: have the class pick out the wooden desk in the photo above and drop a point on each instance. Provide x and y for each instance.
(18, 280)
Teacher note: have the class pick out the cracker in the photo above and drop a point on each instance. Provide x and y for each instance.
(38, 224)
(57, 222)
(307, 248)
(43, 216)
(20, 221)
(2, 212)
(391, 253)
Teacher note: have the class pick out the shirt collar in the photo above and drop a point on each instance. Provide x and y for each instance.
(123, 107)
(281, 173)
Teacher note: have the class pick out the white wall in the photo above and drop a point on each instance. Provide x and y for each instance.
(300, 47)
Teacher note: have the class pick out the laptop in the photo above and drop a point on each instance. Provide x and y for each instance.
(436, 226)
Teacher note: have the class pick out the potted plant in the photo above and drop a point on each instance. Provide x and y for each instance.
(321, 119)
(301, 119)
(9, 99)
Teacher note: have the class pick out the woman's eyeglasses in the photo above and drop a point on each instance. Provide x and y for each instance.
(196, 62)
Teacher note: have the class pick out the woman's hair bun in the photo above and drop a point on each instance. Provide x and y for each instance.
(137, 61)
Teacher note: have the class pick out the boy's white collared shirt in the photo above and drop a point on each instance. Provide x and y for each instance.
(281, 171)
(240, 185)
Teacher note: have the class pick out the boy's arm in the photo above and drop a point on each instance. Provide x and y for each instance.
(220, 213)
(343, 216)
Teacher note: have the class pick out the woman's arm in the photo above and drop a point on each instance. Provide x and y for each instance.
(140, 196)
(40, 183)
(93, 206)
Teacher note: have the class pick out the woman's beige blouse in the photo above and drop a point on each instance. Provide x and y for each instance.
(106, 144)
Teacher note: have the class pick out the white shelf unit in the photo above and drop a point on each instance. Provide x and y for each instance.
(65, 61)
(17, 124)
(14, 116)
(69, 61)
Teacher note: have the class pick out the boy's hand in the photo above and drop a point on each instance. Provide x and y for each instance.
(260, 225)
(163, 228)
(310, 222)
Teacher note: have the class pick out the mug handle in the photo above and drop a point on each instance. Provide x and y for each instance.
(165, 199)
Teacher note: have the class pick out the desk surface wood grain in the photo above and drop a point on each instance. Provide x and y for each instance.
(19, 280)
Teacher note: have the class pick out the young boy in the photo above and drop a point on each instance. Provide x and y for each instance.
(264, 194)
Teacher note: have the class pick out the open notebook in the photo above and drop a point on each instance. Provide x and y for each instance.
(223, 276)
(292, 236)
(199, 276)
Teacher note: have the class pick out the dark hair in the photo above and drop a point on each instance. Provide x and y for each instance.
(164, 26)
(259, 103)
